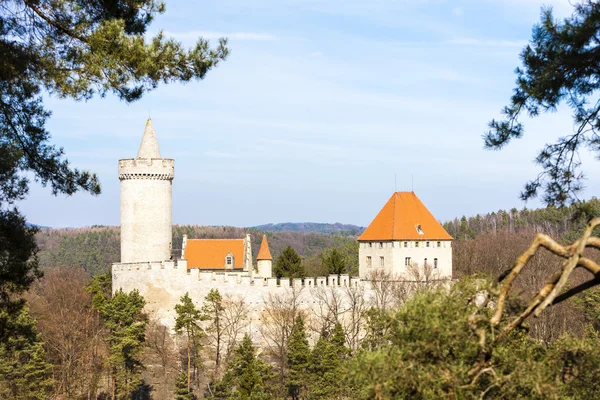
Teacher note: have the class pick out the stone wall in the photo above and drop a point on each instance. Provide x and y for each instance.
(146, 204)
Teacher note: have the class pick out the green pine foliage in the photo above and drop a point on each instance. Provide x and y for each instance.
(298, 355)
(560, 65)
(565, 223)
(247, 377)
(123, 317)
(187, 323)
(335, 263)
(430, 350)
(24, 372)
(288, 264)
(327, 365)
(212, 311)
(182, 389)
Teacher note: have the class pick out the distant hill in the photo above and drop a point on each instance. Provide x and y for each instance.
(337, 228)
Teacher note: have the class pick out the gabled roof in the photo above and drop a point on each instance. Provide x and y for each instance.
(149, 146)
(403, 217)
(264, 253)
(211, 253)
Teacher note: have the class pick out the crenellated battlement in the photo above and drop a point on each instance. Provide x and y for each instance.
(147, 168)
(178, 270)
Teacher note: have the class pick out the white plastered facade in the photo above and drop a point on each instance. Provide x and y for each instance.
(398, 257)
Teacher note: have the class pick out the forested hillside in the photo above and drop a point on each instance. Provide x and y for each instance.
(561, 223)
(95, 248)
(342, 229)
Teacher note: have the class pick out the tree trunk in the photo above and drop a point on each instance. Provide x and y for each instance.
(189, 362)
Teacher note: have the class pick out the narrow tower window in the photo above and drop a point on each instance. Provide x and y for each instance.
(435, 263)
(381, 262)
(368, 261)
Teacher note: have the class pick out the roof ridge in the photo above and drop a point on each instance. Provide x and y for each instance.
(394, 215)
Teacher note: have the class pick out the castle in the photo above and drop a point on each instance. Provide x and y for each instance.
(403, 238)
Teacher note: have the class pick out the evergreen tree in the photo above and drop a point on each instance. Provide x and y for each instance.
(326, 365)
(560, 64)
(465, 232)
(24, 372)
(289, 264)
(187, 322)
(246, 377)
(335, 262)
(182, 388)
(126, 324)
(298, 354)
(212, 311)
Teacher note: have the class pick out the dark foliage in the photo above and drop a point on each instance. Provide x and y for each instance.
(560, 64)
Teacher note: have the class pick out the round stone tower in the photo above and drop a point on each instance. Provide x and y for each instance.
(146, 202)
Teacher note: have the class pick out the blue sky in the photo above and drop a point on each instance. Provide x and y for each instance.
(319, 106)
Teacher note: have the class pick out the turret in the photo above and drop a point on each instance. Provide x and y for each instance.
(146, 202)
(264, 260)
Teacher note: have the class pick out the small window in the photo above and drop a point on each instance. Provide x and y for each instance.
(368, 261)
(370, 244)
(425, 262)
(392, 244)
(435, 263)
(426, 244)
(416, 244)
(405, 244)
(381, 245)
(439, 244)
(407, 261)
(419, 230)
(381, 262)
(229, 260)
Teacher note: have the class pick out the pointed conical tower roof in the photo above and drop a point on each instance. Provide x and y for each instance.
(404, 217)
(264, 253)
(149, 147)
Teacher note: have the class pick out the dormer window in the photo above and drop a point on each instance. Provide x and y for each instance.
(229, 260)
(419, 230)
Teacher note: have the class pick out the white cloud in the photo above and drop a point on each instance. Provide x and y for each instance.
(457, 11)
(217, 35)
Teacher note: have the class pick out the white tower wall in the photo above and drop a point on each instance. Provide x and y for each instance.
(265, 268)
(146, 203)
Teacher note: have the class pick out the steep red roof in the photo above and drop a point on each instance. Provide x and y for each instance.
(263, 252)
(402, 218)
(211, 253)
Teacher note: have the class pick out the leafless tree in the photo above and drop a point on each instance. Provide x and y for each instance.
(160, 358)
(235, 321)
(281, 310)
(327, 309)
(354, 318)
(71, 330)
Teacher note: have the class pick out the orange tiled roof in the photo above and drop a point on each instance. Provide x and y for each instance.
(400, 218)
(211, 253)
(264, 253)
